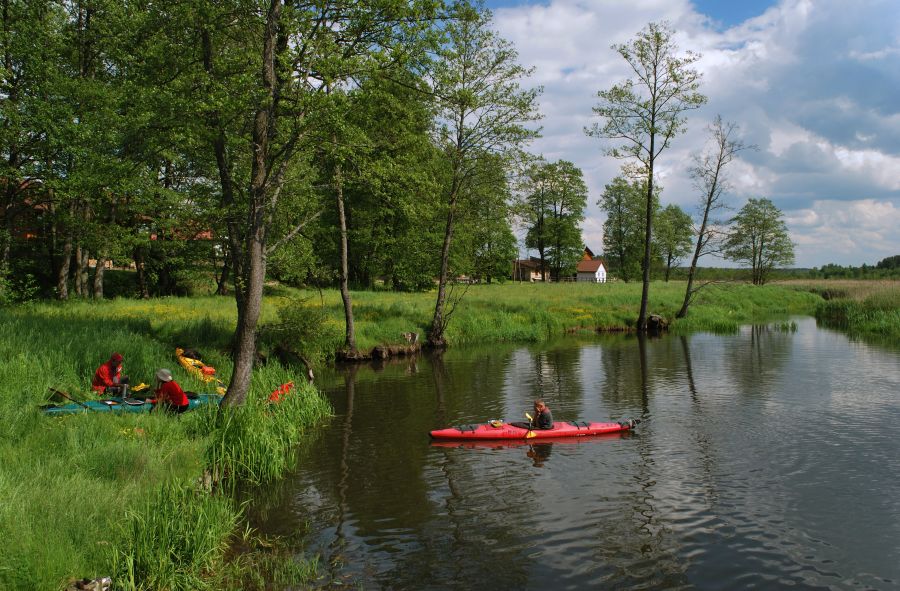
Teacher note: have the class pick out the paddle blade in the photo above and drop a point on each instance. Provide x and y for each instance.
(530, 435)
(528, 416)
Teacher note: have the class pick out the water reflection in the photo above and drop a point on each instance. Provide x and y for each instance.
(766, 459)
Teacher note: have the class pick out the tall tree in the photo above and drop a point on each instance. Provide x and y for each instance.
(552, 209)
(482, 111)
(533, 207)
(759, 238)
(258, 84)
(673, 236)
(623, 230)
(486, 243)
(567, 203)
(708, 173)
(646, 112)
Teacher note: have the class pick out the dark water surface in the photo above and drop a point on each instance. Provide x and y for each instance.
(766, 459)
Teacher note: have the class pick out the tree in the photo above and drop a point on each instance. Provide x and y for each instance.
(673, 236)
(552, 210)
(481, 112)
(759, 238)
(486, 242)
(645, 112)
(709, 178)
(889, 262)
(252, 80)
(623, 230)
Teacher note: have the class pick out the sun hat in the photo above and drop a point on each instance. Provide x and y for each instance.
(164, 375)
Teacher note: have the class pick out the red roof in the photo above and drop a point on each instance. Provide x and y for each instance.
(589, 266)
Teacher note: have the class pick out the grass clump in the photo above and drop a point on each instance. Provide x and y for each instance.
(859, 307)
(174, 540)
(256, 442)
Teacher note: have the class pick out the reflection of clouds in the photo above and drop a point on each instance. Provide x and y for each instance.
(814, 85)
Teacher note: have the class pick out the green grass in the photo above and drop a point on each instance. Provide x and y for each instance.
(526, 312)
(101, 495)
(860, 307)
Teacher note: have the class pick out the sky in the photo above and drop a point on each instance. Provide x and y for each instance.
(813, 84)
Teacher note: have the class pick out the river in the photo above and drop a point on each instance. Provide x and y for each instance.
(765, 459)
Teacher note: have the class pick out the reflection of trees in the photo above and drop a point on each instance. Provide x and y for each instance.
(556, 376)
(757, 357)
(627, 382)
(705, 449)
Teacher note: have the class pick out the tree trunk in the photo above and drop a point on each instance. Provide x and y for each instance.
(222, 281)
(648, 236)
(688, 292)
(255, 272)
(99, 272)
(62, 278)
(141, 273)
(62, 281)
(350, 333)
(436, 336)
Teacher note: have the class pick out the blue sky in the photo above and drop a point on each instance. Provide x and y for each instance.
(724, 12)
(815, 84)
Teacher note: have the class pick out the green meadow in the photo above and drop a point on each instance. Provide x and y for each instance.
(146, 498)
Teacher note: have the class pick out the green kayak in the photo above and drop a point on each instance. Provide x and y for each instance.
(122, 405)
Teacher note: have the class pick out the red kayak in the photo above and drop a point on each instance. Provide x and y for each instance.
(498, 430)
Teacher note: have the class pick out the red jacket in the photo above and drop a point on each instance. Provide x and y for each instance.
(106, 375)
(171, 393)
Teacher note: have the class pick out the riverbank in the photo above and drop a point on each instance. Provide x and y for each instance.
(532, 312)
(122, 496)
(867, 308)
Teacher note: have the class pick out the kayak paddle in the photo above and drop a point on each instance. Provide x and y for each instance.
(64, 395)
(530, 433)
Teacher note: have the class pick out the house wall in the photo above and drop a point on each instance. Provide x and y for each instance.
(598, 277)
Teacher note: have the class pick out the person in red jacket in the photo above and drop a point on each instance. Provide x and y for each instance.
(169, 395)
(109, 378)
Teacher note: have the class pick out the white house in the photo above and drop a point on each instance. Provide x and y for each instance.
(593, 271)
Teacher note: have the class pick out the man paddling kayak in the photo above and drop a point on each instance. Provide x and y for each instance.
(543, 418)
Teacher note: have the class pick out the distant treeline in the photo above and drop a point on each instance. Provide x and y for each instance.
(888, 268)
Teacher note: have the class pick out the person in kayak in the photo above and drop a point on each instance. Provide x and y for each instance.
(542, 419)
(109, 379)
(169, 395)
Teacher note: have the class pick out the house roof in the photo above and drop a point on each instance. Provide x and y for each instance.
(590, 266)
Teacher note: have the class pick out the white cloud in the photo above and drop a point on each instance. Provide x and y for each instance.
(814, 85)
(848, 231)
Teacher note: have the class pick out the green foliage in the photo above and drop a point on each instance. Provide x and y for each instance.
(673, 236)
(759, 238)
(552, 208)
(883, 270)
(889, 262)
(625, 226)
(304, 329)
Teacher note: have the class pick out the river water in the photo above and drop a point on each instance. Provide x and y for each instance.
(765, 459)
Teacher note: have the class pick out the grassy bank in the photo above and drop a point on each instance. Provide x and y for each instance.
(98, 495)
(859, 307)
(526, 312)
